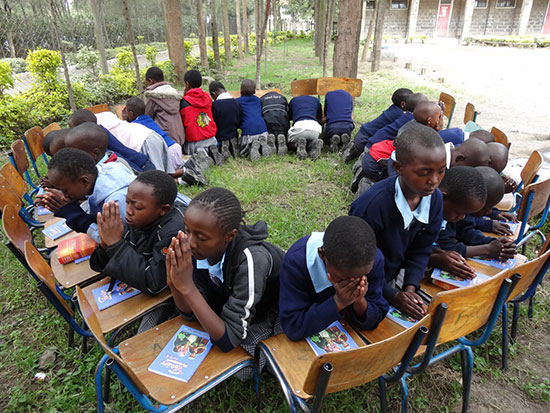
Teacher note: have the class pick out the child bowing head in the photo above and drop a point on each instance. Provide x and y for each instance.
(224, 273)
(326, 274)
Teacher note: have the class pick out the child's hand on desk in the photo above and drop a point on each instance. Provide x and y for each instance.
(453, 262)
(410, 302)
(501, 228)
(53, 199)
(45, 183)
(508, 249)
(179, 264)
(507, 216)
(109, 224)
(348, 291)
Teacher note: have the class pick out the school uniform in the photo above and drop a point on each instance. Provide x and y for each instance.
(457, 236)
(253, 126)
(196, 115)
(405, 237)
(306, 298)
(375, 161)
(370, 128)
(111, 184)
(275, 113)
(485, 224)
(456, 136)
(139, 162)
(338, 110)
(390, 131)
(139, 258)
(305, 112)
(227, 115)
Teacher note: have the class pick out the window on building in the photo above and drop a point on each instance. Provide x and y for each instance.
(399, 4)
(370, 5)
(480, 4)
(506, 3)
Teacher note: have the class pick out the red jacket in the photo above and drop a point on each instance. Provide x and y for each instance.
(196, 115)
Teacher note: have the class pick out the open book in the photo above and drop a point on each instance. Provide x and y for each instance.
(330, 340)
(121, 292)
(183, 354)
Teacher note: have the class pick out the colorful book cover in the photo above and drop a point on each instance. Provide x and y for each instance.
(332, 339)
(513, 225)
(121, 292)
(492, 262)
(456, 281)
(183, 354)
(400, 318)
(40, 211)
(57, 230)
(74, 248)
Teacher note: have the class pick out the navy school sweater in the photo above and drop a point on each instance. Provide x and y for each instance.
(402, 248)
(453, 135)
(252, 122)
(458, 235)
(304, 312)
(305, 107)
(390, 131)
(385, 118)
(136, 160)
(227, 115)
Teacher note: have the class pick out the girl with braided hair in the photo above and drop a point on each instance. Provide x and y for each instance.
(224, 273)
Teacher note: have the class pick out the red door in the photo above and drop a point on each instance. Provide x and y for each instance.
(443, 17)
(546, 27)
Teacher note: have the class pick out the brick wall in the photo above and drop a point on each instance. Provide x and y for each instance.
(538, 13)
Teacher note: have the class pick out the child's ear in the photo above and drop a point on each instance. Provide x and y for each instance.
(164, 209)
(398, 167)
(459, 158)
(228, 237)
(321, 252)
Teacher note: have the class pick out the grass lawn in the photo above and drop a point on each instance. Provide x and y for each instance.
(294, 198)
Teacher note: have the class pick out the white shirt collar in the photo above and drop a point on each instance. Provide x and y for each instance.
(448, 147)
(224, 95)
(421, 213)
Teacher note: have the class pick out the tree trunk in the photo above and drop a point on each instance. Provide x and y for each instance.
(245, 27)
(239, 35)
(323, 5)
(174, 36)
(369, 35)
(262, 26)
(226, 36)
(215, 39)
(315, 25)
(275, 14)
(381, 6)
(65, 68)
(98, 32)
(130, 33)
(327, 35)
(346, 46)
(202, 35)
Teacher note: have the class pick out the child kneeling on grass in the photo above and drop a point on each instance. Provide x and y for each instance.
(328, 273)
(225, 274)
(136, 252)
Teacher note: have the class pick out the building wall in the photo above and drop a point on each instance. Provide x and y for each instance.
(488, 21)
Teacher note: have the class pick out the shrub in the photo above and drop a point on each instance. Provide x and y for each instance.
(168, 69)
(151, 55)
(87, 58)
(6, 78)
(17, 64)
(43, 65)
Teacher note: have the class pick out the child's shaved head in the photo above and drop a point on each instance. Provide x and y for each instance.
(248, 87)
(349, 242)
(413, 100)
(400, 96)
(472, 152)
(483, 135)
(429, 114)
(88, 137)
(494, 185)
(498, 156)
(416, 139)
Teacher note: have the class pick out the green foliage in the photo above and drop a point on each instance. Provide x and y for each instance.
(88, 58)
(151, 54)
(168, 69)
(17, 64)
(43, 64)
(124, 60)
(511, 41)
(6, 78)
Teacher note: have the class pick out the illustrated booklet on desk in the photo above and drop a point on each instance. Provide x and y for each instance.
(332, 339)
(120, 292)
(493, 262)
(183, 354)
(57, 230)
(448, 281)
(400, 317)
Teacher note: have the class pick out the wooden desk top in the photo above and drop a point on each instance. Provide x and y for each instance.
(50, 243)
(71, 274)
(513, 236)
(126, 311)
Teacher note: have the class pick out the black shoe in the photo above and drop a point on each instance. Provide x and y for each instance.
(282, 149)
(235, 147)
(334, 142)
(350, 153)
(301, 152)
(225, 150)
(201, 161)
(358, 175)
(255, 150)
(345, 138)
(358, 163)
(364, 184)
(191, 176)
(216, 155)
(269, 148)
(315, 151)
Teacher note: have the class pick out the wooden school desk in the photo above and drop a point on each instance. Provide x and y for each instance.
(50, 243)
(71, 274)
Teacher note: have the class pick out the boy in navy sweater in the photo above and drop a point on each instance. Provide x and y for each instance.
(405, 213)
(306, 113)
(227, 115)
(254, 130)
(325, 274)
(339, 122)
(391, 114)
(468, 241)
